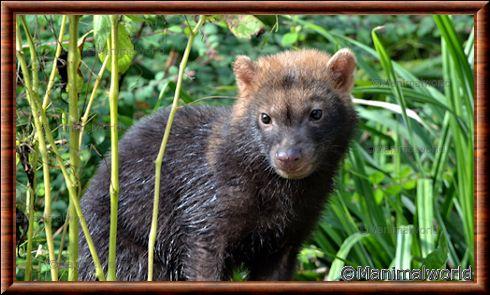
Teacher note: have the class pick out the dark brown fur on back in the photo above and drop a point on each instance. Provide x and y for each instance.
(223, 204)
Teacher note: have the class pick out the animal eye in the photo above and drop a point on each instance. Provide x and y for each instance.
(266, 119)
(316, 115)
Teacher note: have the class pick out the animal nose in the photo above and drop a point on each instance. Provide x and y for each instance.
(288, 155)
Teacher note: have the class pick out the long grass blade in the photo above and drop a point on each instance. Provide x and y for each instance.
(403, 256)
(339, 262)
(425, 214)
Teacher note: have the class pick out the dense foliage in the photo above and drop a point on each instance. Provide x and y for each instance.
(404, 195)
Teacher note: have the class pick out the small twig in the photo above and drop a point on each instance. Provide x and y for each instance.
(34, 58)
(54, 69)
(161, 152)
(86, 115)
(24, 150)
(63, 235)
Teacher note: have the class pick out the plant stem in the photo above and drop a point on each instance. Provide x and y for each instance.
(73, 121)
(32, 98)
(36, 105)
(30, 217)
(387, 65)
(54, 68)
(85, 116)
(34, 59)
(29, 167)
(161, 152)
(63, 236)
(36, 109)
(114, 188)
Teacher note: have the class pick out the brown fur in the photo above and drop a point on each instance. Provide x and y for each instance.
(270, 71)
(225, 201)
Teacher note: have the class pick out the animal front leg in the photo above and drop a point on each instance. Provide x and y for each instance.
(276, 267)
(204, 262)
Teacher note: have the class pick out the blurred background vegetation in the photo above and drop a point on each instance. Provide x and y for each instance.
(404, 196)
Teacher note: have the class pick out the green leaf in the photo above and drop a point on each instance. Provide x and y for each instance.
(135, 18)
(457, 71)
(388, 67)
(269, 20)
(455, 46)
(183, 94)
(99, 136)
(244, 26)
(82, 39)
(339, 262)
(393, 189)
(437, 259)
(45, 267)
(307, 255)
(175, 29)
(410, 184)
(378, 196)
(425, 213)
(376, 177)
(102, 32)
(403, 257)
(40, 189)
(289, 39)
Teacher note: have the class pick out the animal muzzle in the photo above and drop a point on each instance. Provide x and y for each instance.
(288, 159)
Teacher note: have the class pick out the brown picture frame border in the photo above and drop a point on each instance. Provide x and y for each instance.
(480, 11)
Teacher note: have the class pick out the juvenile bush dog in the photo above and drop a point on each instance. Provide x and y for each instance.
(241, 186)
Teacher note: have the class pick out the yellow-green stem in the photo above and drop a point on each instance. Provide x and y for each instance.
(85, 116)
(36, 105)
(63, 236)
(73, 123)
(161, 152)
(54, 68)
(32, 98)
(30, 216)
(114, 188)
(34, 59)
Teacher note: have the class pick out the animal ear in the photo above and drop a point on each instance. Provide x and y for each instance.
(341, 67)
(244, 69)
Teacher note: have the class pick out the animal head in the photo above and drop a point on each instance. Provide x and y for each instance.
(298, 103)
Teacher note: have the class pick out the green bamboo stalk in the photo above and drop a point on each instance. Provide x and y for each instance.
(84, 119)
(73, 121)
(34, 58)
(114, 188)
(36, 106)
(32, 97)
(54, 68)
(74, 200)
(30, 217)
(161, 152)
(72, 195)
(30, 195)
